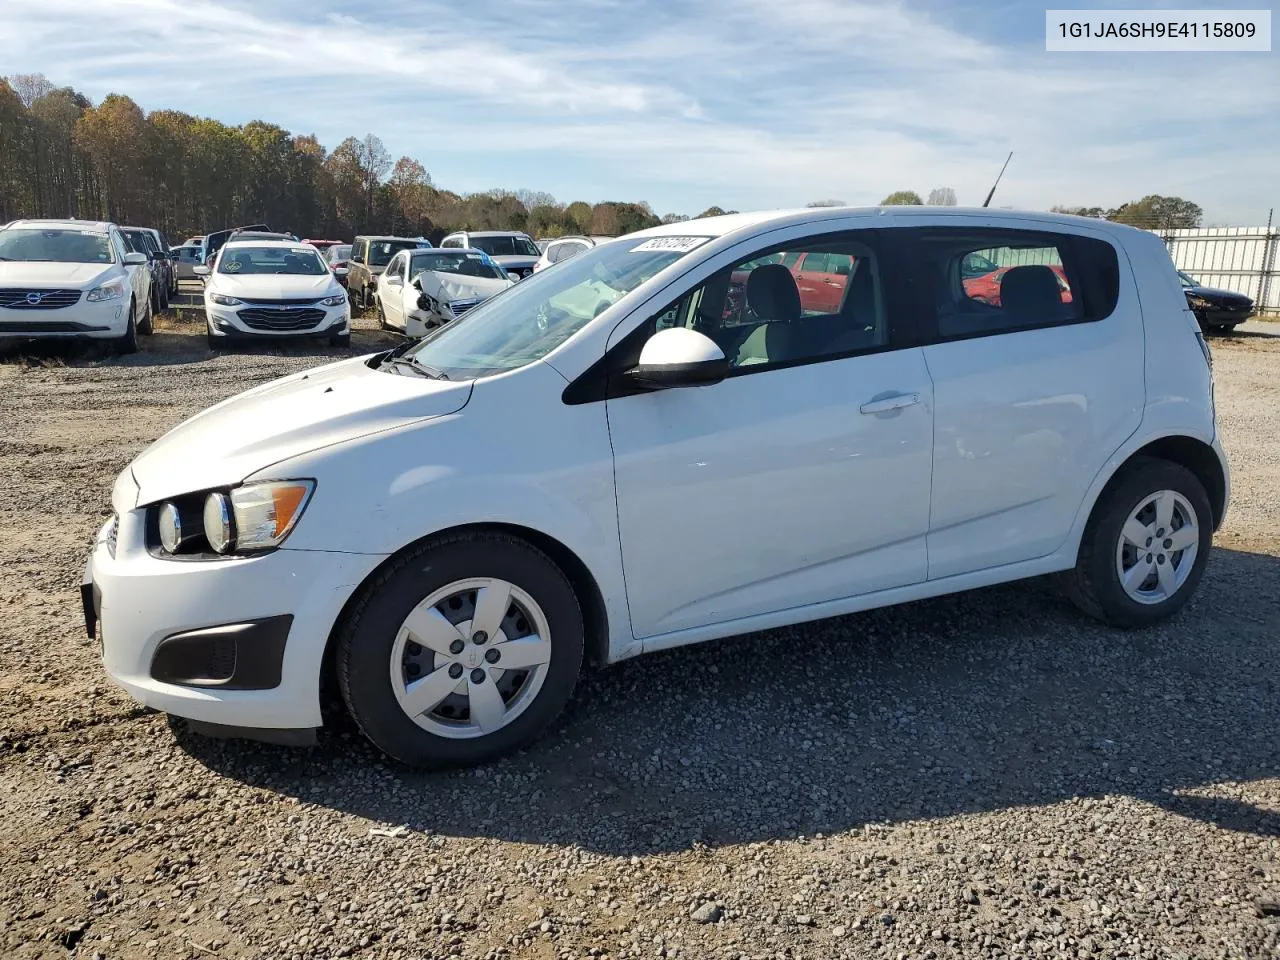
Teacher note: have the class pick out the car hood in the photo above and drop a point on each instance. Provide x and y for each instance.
(273, 286)
(515, 260)
(43, 274)
(285, 418)
(452, 286)
(1217, 296)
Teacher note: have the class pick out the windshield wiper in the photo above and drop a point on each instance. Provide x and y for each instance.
(394, 359)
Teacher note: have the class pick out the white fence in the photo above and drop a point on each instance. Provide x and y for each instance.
(1241, 259)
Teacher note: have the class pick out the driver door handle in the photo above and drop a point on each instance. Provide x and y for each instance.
(890, 403)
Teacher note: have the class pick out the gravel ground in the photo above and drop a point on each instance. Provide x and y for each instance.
(986, 775)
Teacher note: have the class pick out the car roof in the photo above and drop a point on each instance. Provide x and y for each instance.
(450, 251)
(97, 226)
(379, 236)
(272, 244)
(490, 233)
(733, 222)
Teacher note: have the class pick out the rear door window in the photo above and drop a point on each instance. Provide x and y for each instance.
(979, 281)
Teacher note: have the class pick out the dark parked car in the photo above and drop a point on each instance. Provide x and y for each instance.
(163, 278)
(1218, 311)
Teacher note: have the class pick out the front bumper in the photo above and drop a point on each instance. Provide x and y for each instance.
(161, 622)
(100, 320)
(227, 322)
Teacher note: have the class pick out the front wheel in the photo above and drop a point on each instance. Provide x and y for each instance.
(128, 341)
(1145, 546)
(340, 339)
(462, 650)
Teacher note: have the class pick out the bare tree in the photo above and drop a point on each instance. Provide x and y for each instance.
(942, 197)
(30, 87)
(826, 203)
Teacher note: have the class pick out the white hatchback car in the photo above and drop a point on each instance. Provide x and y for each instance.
(72, 279)
(273, 289)
(699, 430)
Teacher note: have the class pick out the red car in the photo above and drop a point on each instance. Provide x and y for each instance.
(821, 279)
(986, 287)
(336, 254)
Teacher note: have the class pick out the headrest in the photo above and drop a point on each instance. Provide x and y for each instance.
(1030, 290)
(772, 293)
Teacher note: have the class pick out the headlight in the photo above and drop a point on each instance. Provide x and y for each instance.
(171, 528)
(111, 290)
(225, 301)
(256, 516)
(337, 300)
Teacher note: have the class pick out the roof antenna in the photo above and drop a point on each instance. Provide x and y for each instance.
(987, 202)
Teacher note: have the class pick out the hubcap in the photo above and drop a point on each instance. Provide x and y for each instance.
(1157, 548)
(470, 658)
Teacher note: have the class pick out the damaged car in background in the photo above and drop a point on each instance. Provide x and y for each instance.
(424, 289)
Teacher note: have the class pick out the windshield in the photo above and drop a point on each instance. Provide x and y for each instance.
(381, 251)
(339, 251)
(1186, 281)
(529, 320)
(301, 261)
(467, 264)
(55, 245)
(505, 246)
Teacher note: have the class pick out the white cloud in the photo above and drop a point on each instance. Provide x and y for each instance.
(745, 103)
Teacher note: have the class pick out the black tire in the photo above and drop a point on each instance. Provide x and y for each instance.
(382, 316)
(146, 325)
(367, 637)
(340, 340)
(128, 341)
(1094, 585)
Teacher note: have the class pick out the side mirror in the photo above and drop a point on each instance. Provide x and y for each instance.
(394, 280)
(417, 281)
(135, 258)
(340, 271)
(200, 270)
(679, 357)
(356, 258)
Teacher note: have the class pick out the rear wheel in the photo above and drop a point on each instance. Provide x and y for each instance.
(1145, 546)
(382, 315)
(463, 650)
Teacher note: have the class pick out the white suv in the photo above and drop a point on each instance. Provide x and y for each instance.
(72, 279)
(514, 251)
(699, 430)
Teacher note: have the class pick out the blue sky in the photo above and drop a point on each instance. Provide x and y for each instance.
(747, 104)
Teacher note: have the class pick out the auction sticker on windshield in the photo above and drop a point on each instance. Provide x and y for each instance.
(673, 244)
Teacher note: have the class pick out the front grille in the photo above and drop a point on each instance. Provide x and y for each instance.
(462, 306)
(282, 318)
(27, 298)
(113, 532)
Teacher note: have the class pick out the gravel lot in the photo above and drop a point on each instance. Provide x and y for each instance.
(987, 775)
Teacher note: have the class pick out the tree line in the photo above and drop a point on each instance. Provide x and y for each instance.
(61, 155)
(1152, 212)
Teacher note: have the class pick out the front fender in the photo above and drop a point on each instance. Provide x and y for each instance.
(505, 459)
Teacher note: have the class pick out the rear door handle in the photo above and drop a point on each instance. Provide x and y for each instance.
(886, 404)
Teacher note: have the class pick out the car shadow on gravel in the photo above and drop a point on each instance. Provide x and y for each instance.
(982, 701)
